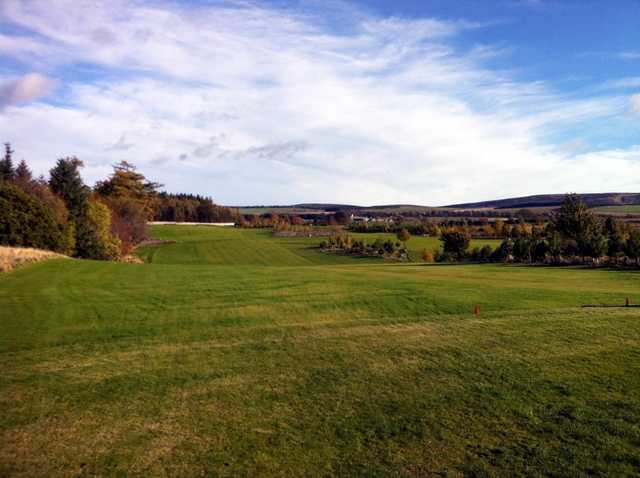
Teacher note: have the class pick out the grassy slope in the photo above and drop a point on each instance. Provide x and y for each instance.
(357, 369)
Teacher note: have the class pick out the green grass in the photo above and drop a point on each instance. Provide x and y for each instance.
(629, 209)
(229, 246)
(237, 354)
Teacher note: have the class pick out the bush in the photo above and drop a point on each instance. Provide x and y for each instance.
(485, 253)
(403, 235)
(26, 222)
(428, 256)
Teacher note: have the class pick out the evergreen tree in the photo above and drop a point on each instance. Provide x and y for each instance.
(66, 182)
(7, 173)
(23, 173)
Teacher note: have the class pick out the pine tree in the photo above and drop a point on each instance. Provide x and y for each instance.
(66, 182)
(23, 173)
(7, 173)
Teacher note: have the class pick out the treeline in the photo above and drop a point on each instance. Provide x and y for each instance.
(61, 213)
(270, 220)
(191, 208)
(477, 229)
(573, 235)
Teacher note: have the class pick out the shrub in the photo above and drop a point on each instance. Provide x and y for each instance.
(427, 256)
(27, 222)
(486, 252)
(403, 235)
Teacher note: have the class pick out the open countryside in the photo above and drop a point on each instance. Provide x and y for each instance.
(306, 239)
(237, 353)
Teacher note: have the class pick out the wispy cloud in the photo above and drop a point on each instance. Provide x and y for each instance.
(257, 104)
(26, 88)
(630, 55)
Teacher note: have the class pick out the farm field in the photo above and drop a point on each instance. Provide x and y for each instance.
(233, 353)
(629, 209)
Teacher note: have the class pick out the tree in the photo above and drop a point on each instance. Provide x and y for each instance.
(341, 218)
(132, 200)
(127, 182)
(632, 247)
(573, 218)
(403, 235)
(455, 243)
(94, 237)
(500, 228)
(66, 182)
(575, 222)
(23, 173)
(616, 237)
(593, 244)
(7, 173)
(555, 246)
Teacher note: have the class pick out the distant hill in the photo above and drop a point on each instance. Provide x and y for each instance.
(552, 200)
(538, 201)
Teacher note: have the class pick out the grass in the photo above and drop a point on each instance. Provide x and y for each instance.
(629, 209)
(12, 257)
(229, 246)
(237, 354)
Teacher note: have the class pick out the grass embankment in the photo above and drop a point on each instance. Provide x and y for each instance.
(12, 257)
(338, 368)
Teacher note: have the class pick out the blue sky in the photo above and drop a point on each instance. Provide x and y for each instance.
(370, 102)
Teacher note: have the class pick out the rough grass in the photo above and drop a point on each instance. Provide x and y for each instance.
(179, 368)
(12, 257)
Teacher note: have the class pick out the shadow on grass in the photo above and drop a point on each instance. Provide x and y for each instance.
(611, 306)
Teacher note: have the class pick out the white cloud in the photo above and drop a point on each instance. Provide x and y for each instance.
(26, 88)
(635, 103)
(255, 105)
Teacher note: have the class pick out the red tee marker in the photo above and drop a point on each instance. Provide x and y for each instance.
(476, 311)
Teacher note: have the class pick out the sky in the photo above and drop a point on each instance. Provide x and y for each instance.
(367, 102)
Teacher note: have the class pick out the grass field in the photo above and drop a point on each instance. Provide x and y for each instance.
(237, 354)
(630, 209)
(199, 245)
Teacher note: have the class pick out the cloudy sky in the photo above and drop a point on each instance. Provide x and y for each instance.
(371, 102)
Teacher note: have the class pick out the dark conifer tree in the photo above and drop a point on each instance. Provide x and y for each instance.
(66, 182)
(7, 173)
(23, 173)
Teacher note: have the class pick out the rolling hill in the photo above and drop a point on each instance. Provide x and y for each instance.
(536, 201)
